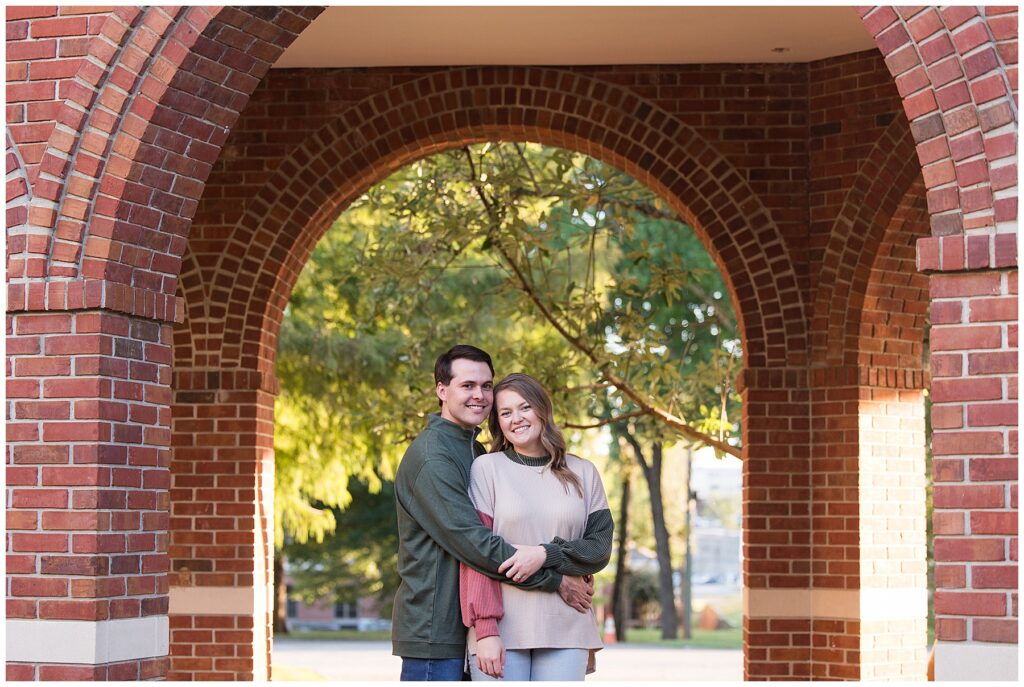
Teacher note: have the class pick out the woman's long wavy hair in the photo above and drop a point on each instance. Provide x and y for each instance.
(550, 437)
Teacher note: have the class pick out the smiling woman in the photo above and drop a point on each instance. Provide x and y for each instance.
(519, 423)
(530, 490)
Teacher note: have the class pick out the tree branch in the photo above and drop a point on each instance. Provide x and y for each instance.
(645, 209)
(677, 423)
(589, 387)
(529, 170)
(608, 421)
(727, 321)
(524, 284)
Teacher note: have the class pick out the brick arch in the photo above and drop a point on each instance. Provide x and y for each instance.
(882, 182)
(108, 97)
(389, 130)
(219, 63)
(90, 116)
(149, 118)
(951, 67)
(19, 195)
(894, 301)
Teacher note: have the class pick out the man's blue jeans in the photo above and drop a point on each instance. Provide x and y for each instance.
(432, 669)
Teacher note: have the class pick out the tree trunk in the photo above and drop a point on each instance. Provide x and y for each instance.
(666, 592)
(667, 596)
(280, 596)
(687, 571)
(619, 587)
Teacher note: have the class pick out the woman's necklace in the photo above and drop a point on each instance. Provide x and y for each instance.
(532, 468)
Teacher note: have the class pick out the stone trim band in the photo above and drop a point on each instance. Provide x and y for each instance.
(863, 604)
(85, 641)
(976, 662)
(212, 600)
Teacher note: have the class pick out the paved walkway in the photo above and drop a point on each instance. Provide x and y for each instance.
(347, 661)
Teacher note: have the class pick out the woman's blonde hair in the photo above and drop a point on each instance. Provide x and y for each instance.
(550, 437)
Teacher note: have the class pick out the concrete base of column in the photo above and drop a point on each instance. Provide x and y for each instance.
(124, 649)
(975, 662)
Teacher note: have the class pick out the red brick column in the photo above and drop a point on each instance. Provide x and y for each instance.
(221, 551)
(833, 597)
(974, 444)
(776, 524)
(834, 508)
(87, 475)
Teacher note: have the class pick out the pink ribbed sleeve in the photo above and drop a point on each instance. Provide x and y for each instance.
(480, 596)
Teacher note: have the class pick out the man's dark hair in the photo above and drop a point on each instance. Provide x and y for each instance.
(443, 366)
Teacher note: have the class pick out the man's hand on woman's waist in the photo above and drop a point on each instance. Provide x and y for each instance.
(577, 592)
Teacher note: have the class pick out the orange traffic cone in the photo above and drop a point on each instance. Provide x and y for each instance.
(609, 630)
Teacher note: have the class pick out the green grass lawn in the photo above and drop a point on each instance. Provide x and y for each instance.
(729, 607)
(343, 635)
(702, 639)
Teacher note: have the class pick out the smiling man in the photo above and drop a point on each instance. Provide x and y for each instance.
(438, 525)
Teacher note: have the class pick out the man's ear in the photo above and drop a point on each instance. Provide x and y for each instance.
(442, 391)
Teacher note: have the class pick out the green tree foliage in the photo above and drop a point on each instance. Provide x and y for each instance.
(359, 561)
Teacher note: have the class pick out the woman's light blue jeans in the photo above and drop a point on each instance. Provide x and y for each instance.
(523, 665)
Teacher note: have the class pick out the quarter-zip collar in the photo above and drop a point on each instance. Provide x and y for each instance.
(452, 429)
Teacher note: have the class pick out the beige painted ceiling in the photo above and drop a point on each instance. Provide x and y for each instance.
(432, 36)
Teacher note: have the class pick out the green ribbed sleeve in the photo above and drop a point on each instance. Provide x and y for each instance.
(584, 556)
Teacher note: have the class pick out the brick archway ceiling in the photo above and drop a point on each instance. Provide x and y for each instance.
(881, 185)
(891, 307)
(440, 111)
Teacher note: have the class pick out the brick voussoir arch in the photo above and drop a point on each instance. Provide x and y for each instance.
(19, 196)
(88, 123)
(389, 130)
(881, 184)
(906, 307)
(151, 129)
(958, 97)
